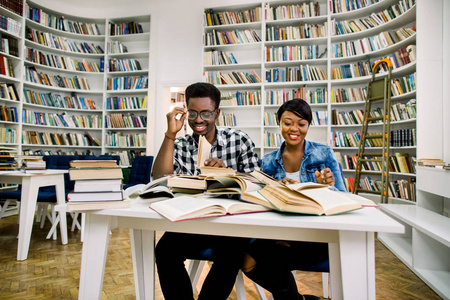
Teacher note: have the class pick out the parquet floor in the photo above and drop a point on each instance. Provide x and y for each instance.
(52, 270)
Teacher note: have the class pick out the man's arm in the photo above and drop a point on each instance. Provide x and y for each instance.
(163, 163)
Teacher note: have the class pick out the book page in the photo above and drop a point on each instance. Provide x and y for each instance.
(330, 201)
(204, 148)
(305, 185)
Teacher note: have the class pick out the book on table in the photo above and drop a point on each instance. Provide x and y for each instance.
(306, 198)
(94, 196)
(186, 207)
(95, 173)
(96, 205)
(92, 163)
(98, 185)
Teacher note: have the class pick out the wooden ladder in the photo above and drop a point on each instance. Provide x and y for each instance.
(377, 90)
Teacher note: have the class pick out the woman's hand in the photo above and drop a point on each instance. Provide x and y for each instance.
(325, 177)
(214, 162)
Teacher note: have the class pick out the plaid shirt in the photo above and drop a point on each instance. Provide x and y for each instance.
(234, 147)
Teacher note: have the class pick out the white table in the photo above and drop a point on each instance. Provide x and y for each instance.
(350, 237)
(30, 188)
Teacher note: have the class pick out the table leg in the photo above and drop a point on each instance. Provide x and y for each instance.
(93, 257)
(61, 200)
(27, 210)
(357, 264)
(143, 251)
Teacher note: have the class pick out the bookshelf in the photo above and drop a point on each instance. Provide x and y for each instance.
(72, 75)
(316, 52)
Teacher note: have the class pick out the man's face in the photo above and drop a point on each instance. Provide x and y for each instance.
(202, 115)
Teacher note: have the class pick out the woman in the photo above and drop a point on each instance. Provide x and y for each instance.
(270, 262)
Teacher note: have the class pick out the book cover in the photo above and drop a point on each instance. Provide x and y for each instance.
(102, 185)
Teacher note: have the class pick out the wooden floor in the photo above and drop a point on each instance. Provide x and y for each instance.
(52, 270)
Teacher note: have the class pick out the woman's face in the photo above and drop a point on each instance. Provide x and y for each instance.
(293, 128)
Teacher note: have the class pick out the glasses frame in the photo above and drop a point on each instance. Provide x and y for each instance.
(201, 114)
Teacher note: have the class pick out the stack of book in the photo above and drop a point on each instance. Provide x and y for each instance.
(98, 185)
(7, 162)
(32, 164)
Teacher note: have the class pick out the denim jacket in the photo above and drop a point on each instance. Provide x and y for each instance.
(316, 156)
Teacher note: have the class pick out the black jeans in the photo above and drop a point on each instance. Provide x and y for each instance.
(174, 248)
(275, 260)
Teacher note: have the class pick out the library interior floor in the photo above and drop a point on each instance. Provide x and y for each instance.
(52, 270)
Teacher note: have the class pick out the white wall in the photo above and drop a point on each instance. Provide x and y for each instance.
(176, 43)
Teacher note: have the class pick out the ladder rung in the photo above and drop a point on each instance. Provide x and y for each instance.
(376, 98)
(371, 154)
(374, 136)
(368, 191)
(370, 172)
(371, 159)
(375, 118)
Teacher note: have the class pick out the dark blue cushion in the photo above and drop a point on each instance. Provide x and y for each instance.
(140, 170)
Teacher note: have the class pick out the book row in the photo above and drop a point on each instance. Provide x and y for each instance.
(116, 47)
(240, 98)
(118, 139)
(399, 162)
(78, 83)
(8, 135)
(10, 25)
(8, 114)
(56, 139)
(319, 117)
(372, 21)
(232, 17)
(61, 120)
(9, 45)
(289, 33)
(278, 97)
(125, 121)
(127, 83)
(398, 138)
(127, 157)
(226, 119)
(232, 77)
(56, 42)
(301, 73)
(56, 100)
(125, 28)
(370, 44)
(126, 102)
(15, 6)
(402, 85)
(402, 188)
(6, 66)
(218, 58)
(295, 11)
(117, 65)
(8, 91)
(59, 22)
(61, 62)
(272, 139)
(359, 69)
(340, 6)
(246, 36)
(292, 53)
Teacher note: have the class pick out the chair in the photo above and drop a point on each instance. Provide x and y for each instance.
(140, 171)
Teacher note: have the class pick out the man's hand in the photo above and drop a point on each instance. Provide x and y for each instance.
(325, 177)
(214, 162)
(175, 121)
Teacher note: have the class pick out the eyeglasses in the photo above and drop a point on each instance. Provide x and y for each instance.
(204, 114)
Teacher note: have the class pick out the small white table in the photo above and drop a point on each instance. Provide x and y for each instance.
(30, 188)
(350, 237)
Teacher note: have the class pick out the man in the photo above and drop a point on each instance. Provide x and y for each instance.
(230, 148)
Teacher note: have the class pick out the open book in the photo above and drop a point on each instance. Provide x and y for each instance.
(204, 149)
(186, 207)
(307, 198)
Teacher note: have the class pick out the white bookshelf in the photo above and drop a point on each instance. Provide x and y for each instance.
(253, 57)
(67, 47)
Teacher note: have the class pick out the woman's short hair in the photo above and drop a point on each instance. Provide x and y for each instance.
(297, 106)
